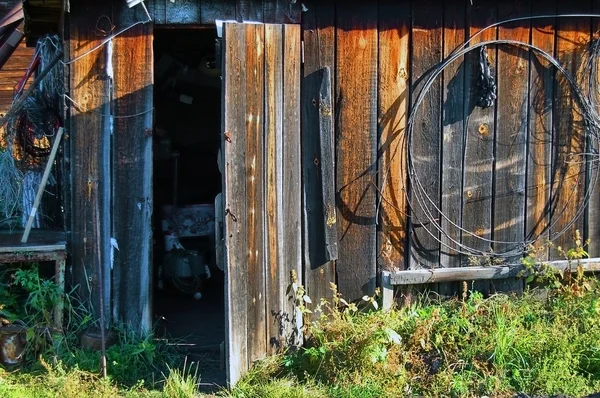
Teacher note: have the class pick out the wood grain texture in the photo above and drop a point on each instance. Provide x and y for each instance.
(356, 134)
(132, 172)
(157, 10)
(234, 190)
(593, 213)
(319, 53)
(249, 10)
(479, 142)
(282, 11)
(255, 215)
(182, 11)
(453, 128)
(393, 97)
(327, 164)
(425, 148)
(539, 153)
(568, 172)
(479, 139)
(89, 140)
(274, 176)
(12, 72)
(211, 10)
(292, 180)
(512, 116)
(473, 273)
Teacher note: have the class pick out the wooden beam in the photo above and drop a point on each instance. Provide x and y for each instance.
(42, 186)
(393, 96)
(410, 277)
(132, 110)
(356, 147)
(89, 146)
(319, 53)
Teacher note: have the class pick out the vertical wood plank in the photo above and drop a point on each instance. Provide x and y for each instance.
(356, 92)
(426, 145)
(282, 11)
(254, 119)
(593, 221)
(453, 127)
(292, 179)
(132, 171)
(393, 97)
(319, 52)
(326, 164)
(274, 175)
(479, 140)
(512, 116)
(249, 10)
(210, 10)
(90, 169)
(158, 11)
(572, 39)
(540, 135)
(234, 190)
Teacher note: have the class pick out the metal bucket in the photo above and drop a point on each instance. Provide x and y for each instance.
(12, 345)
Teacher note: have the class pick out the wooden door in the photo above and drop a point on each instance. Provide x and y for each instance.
(261, 202)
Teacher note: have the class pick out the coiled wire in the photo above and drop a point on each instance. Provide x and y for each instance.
(587, 104)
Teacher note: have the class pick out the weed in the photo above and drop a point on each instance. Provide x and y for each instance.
(478, 346)
(182, 383)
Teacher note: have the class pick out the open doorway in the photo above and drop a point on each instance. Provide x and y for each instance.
(189, 288)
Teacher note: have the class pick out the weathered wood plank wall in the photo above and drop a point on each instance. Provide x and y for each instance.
(89, 137)
(572, 38)
(453, 127)
(479, 140)
(194, 12)
(356, 145)
(510, 154)
(132, 113)
(498, 173)
(262, 181)
(541, 92)
(490, 171)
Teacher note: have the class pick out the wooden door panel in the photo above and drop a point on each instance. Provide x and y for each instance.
(262, 191)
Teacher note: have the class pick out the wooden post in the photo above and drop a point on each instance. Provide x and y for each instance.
(387, 290)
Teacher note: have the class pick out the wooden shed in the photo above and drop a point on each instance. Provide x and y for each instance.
(333, 164)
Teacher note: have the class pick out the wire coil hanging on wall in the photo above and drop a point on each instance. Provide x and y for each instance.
(432, 216)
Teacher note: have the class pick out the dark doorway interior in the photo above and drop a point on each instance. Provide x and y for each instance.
(189, 289)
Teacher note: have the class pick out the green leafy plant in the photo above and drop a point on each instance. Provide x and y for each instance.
(42, 294)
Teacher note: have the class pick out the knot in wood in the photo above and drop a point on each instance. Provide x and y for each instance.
(325, 109)
(484, 129)
(402, 74)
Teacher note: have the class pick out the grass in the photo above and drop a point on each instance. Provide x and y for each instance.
(536, 344)
(498, 346)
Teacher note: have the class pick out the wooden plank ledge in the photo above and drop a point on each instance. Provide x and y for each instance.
(435, 275)
(39, 241)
